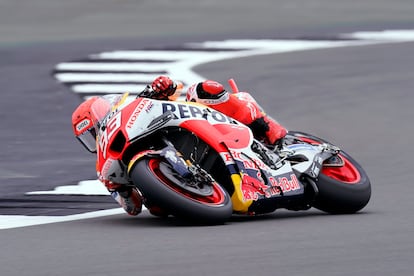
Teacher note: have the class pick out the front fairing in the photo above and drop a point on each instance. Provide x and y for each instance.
(105, 106)
(138, 118)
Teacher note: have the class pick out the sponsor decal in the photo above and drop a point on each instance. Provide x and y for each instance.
(141, 106)
(186, 111)
(278, 186)
(220, 100)
(83, 125)
(149, 107)
(282, 184)
(248, 163)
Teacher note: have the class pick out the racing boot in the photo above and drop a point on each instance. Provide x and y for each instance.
(129, 198)
(267, 129)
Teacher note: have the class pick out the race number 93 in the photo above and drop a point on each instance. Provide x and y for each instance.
(111, 127)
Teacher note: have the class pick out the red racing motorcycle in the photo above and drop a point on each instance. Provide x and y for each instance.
(202, 166)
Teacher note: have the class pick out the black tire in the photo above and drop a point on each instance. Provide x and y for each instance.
(342, 190)
(155, 179)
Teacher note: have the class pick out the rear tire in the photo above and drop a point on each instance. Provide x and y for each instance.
(342, 190)
(155, 179)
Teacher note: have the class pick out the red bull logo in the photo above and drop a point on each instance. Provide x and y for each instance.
(253, 189)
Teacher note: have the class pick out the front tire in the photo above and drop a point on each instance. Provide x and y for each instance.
(158, 183)
(343, 189)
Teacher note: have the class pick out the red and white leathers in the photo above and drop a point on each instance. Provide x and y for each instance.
(84, 122)
(240, 106)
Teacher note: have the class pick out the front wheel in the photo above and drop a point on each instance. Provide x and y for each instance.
(204, 203)
(344, 187)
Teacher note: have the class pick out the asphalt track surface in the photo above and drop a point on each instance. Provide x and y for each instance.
(358, 97)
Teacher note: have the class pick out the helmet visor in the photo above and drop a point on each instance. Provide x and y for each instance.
(88, 139)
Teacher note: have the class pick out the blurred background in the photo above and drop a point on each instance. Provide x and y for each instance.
(27, 22)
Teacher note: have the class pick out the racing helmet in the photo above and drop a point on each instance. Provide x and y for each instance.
(86, 118)
(208, 92)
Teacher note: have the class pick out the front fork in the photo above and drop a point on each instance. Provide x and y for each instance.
(184, 168)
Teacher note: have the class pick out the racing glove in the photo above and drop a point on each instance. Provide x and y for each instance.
(163, 87)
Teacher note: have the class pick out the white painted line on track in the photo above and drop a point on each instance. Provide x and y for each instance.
(109, 66)
(105, 77)
(107, 88)
(86, 187)
(8, 222)
(383, 36)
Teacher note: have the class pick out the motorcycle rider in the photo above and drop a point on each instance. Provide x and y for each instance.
(240, 106)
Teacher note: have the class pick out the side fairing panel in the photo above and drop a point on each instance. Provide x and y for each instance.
(210, 125)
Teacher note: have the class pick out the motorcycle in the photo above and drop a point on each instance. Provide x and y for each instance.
(202, 166)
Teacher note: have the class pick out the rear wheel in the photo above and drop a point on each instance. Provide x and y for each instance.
(344, 186)
(202, 203)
